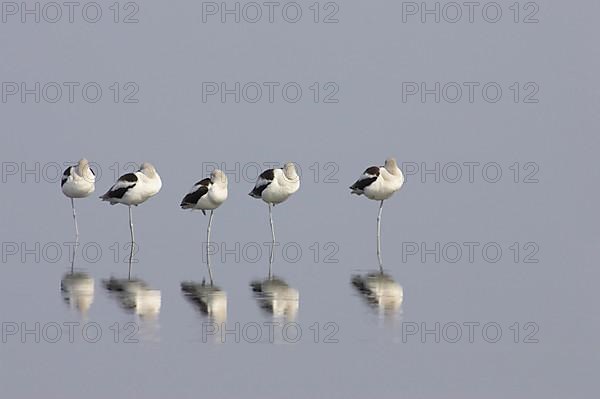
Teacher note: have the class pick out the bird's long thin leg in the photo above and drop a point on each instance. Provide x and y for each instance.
(379, 237)
(207, 248)
(132, 240)
(76, 235)
(273, 243)
(75, 220)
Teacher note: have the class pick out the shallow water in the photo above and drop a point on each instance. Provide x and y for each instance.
(334, 327)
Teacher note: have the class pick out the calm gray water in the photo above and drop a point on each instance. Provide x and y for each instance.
(488, 249)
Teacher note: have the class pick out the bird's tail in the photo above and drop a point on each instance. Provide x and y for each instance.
(355, 190)
(106, 197)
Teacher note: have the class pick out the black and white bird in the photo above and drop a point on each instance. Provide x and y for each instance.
(134, 189)
(78, 181)
(379, 183)
(207, 194)
(275, 186)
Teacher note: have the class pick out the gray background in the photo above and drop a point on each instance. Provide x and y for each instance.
(369, 53)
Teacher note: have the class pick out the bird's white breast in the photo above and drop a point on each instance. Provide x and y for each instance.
(78, 186)
(280, 188)
(217, 194)
(144, 188)
(385, 185)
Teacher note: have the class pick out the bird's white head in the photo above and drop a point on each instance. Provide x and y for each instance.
(148, 169)
(289, 170)
(84, 170)
(217, 176)
(391, 165)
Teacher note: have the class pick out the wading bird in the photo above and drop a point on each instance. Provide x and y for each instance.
(379, 183)
(77, 182)
(134, 189)
(207, 194)
(275, 186)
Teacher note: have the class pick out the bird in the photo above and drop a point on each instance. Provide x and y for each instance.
(379, 183)
(275, 186)
(134, 189)
(207, 194)
(77, 181)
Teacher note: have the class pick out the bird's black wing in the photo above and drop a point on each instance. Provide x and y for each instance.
(65, 176)
(198, 191)
(262, 183)
(367, 178)
(118, 190)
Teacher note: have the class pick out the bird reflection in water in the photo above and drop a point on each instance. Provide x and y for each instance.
(210, 300)
(135, 296)
(77, 290)
(381, 292)
(276, 297)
